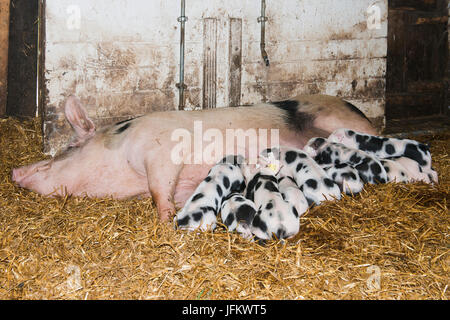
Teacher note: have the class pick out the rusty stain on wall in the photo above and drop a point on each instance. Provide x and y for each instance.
(124, 58)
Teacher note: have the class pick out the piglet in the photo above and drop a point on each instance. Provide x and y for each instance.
(311, 179)
(201, 209)
(403, 169)
(237, 213)
(292, 194)
(346, 176)
(383, 147)
(274, 215)
(331, 153)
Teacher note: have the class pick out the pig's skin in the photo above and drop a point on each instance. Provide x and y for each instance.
(134, 157)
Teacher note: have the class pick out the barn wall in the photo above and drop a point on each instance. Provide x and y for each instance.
(122, 57)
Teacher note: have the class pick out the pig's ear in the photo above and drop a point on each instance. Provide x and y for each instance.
(78, 118)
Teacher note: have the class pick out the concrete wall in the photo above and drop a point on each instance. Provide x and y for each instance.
(121, 57)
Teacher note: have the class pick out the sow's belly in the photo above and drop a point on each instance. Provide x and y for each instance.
(188, 180)
(192, 174)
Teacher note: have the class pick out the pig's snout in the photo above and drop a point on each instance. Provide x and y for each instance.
(15, 175)
(18, 175)
(23, 175)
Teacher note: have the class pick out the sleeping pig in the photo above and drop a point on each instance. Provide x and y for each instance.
(135, 157)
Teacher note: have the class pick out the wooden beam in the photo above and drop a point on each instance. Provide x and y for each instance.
(209, 62)
(235, 62)
(4, 36)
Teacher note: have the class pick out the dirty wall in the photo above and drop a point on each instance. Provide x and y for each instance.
(122, 57)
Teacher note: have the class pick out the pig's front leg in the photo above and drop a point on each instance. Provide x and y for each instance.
(162, 176)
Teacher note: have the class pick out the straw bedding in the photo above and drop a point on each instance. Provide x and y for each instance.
(389, 242)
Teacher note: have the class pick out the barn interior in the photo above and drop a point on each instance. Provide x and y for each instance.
(389, 58)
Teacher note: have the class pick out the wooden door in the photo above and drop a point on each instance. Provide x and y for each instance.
(417, 58)
(23, 57)
(4, 34)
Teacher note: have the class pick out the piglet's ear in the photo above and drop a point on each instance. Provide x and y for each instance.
(78, 118)
(310, 151)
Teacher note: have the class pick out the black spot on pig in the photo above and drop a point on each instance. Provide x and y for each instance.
(281, 233)
(197, 216)
(226, 182)
(311, 184)
(290, 157)
(208, 208)
(258, 223)
(364, 166)
(318, 143)
(238, 186)
(197, 196)
(184, 221)
(127, 120)
(352, 108)
(269, 185)
(293, 118)
(341, 165)
(370, 143)
(330, 183)
(251, 187)
(245, 213)
(219, 190)
(324, 158)
(291, 114)
(355, 158)
(229, 220)
(376, 169)
(412, 152)
(122, 128)
(389, 148)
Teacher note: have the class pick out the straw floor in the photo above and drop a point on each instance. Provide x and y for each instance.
(389, 242)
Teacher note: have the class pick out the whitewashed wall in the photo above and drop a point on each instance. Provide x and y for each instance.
(121, 57)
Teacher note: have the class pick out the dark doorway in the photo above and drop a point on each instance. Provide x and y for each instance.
(416, 84)
(23, 58)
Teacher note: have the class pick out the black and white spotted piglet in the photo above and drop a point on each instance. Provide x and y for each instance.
(274, 215)
(403, 169)
(311, 179)
(201, 209)
(237, 213)
(383, 147)
(292, 194)
(346, 176)
(328, 153)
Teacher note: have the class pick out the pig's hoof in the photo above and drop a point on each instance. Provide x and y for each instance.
(166, 215)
